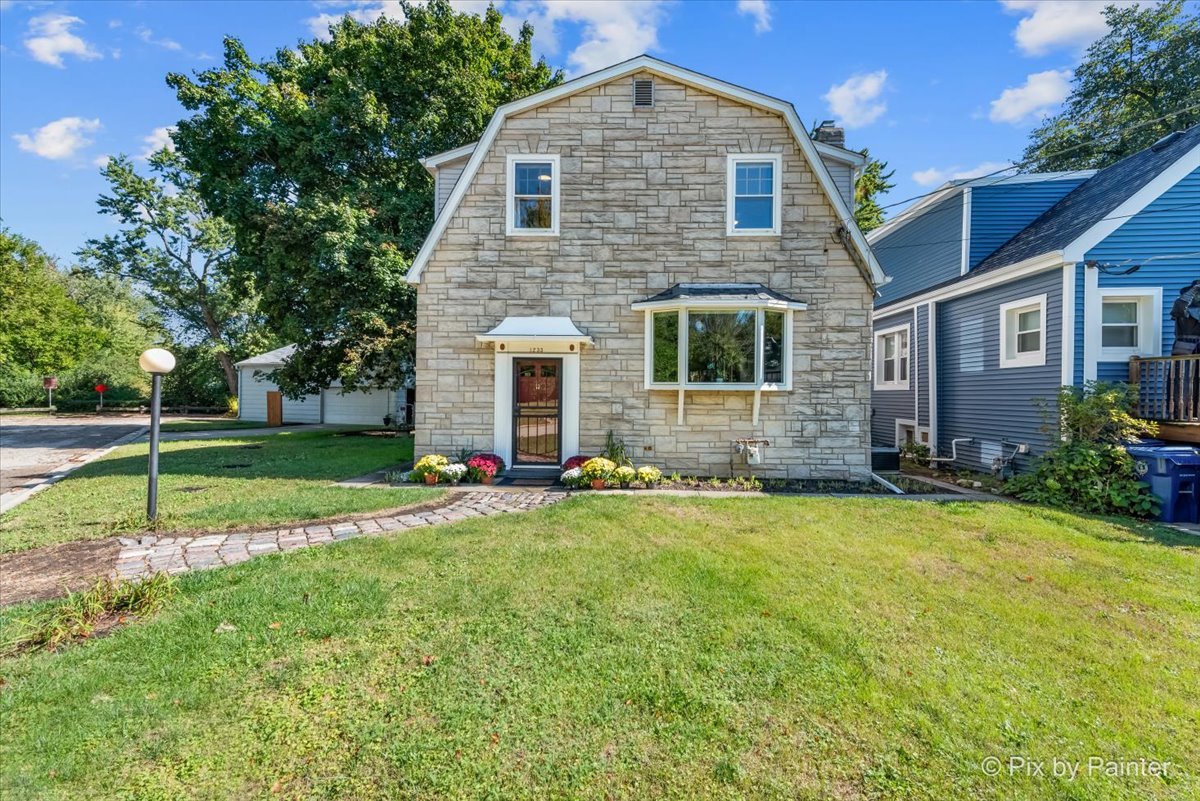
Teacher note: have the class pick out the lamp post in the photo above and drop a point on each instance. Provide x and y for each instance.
(157, 362)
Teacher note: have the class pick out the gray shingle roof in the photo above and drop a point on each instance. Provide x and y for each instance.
(748, 292)
(1091, 201)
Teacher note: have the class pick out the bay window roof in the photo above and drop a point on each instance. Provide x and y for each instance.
(747, 295)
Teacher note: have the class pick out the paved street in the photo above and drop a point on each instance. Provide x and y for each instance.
(33, 447)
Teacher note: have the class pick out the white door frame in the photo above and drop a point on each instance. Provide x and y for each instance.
(502, 409)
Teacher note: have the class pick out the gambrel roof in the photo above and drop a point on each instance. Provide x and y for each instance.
(857, 243)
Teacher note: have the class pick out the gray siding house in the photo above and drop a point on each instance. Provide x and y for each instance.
(1006, 289)
(657, 253)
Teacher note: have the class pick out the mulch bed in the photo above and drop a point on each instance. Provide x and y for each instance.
(46, 573)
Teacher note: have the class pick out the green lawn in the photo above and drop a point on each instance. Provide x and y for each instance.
(643, 647)
(213, 484)
(210, 424)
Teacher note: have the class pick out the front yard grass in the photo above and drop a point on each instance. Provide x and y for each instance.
(643, 647)
(214, 484)
(209, 424)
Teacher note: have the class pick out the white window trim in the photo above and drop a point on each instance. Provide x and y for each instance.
(732, 160)
(1150, 307)
(1034, 359)
(877, 362)
(510, 200)
(705, 306)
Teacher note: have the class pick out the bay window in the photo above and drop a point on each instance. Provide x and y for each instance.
(719, 348)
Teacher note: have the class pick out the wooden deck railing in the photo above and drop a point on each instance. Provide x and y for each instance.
(1168, 388)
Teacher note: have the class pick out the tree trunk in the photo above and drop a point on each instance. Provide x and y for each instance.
(231, 373)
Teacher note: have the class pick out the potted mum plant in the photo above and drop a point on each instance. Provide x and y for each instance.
(598, 471)
(428, 468)
(485, 466)
(650, 476)
(624, 475)
(453, 472)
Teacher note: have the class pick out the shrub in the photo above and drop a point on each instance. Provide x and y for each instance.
(598, 468)
(1092, 477)
(573, 478)
(231, 406)
(575, 461)
(615, 451)
(1090, 471)
(916, 453)
(624, 474)
(433, 464)
(649, 475)
(485, 464)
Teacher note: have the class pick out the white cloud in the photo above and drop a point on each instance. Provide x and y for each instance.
(156, 141)
(939, 175)
(1038, 97)
(611, 31)
(760, 10)
(60, 139)
(49, 38)
(147, 36)
(101, 160)
(1050, 24)
(364, 11)
(855, 102)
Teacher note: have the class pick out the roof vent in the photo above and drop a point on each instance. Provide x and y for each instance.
(1166, 140)
(643, 93)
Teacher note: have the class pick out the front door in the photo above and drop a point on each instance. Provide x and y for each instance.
(537, 411)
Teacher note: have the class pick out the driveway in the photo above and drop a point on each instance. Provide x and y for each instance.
(33, 448)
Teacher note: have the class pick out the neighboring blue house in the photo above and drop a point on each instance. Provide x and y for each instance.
(1005, 289)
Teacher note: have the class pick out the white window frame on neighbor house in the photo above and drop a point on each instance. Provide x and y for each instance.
(902, 358)
(700, 307)
(510, 198)
(1149, 322)
(1010, 315)
(732, 162)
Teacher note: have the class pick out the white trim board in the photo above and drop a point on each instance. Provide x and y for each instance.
(974, 283)
(870, 267)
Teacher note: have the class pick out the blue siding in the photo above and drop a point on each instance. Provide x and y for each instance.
(922, 351)
(1000, 211)
(890, 405)
(1169, 226)
(922, 253)
(976, 398)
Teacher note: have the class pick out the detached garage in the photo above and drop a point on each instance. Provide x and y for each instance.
(259, 399)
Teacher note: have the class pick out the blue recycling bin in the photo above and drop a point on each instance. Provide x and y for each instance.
(1173, 474)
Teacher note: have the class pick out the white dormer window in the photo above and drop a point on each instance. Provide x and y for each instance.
(532, 195)
(753, 195)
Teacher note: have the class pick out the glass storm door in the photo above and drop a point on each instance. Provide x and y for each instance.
(537, 411)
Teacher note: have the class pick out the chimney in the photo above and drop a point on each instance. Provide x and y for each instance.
(830, 134)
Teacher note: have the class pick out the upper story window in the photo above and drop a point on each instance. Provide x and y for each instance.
(753, 194)
(1129, 323)
(891, 358)
(532, 195)
(1023, 332)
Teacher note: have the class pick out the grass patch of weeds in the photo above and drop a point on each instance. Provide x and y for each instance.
(81, 614)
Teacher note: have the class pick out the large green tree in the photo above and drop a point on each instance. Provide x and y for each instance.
(1136, 84)
(42, 329)
(170, 245)
(874, 182)
(312, 158)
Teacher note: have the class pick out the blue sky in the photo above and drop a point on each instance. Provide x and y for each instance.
(938, 89)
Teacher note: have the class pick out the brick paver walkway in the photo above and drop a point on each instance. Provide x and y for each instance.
(141, 556)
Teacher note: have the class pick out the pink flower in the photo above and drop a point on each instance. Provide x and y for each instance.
(488, 464)
(574, 461)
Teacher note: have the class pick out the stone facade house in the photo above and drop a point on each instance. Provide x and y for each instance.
(653, 252)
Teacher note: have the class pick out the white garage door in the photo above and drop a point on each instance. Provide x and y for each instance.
(366, 408)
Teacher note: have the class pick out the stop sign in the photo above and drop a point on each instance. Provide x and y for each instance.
(101, 388)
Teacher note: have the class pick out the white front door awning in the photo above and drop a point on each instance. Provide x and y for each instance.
(535, 332)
